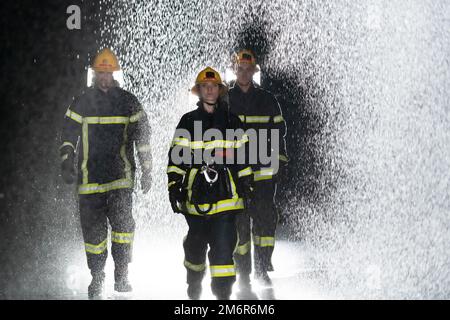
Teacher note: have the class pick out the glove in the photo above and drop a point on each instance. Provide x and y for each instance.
(68, 170)
(176, 198)
(146, 182)
(247, 187)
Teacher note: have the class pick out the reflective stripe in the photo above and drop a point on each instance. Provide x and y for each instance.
(96, 249)
(106, 120)
(264, 241)
(222, 271)
(171, 184)
(246, 172)
(64, 157)
(135, 117)
(123, 154)
(233, 186)
(67, 143)
(254, 119)
(278, 119)
(263, 174)
(122, 237)
(220, 206)
(194, 267)
(84, 169)
(143, 148)
(243, 249)
(224, 144)
(175, 169)
(283, 158)
(101, 188)
(192, 174)
(74, 116)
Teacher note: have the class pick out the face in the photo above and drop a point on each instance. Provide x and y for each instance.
(209, 92)
(104, 80)
(244, 73)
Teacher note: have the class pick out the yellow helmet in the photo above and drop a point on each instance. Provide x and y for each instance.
(106, 61)
(209, 75)
(245, 56)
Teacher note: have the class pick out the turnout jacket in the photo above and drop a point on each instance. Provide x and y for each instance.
(259, 109)
(225, 195)
(105, 129)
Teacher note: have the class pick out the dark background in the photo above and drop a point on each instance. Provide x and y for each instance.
(43, 66)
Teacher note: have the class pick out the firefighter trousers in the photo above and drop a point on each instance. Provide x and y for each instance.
(261, 221)
(95, 212)
(219, 232)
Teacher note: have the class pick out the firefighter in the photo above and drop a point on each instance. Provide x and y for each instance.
(101, 130)
(258, 109)
(209, 185)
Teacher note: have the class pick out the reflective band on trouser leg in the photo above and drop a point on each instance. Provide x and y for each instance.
(222, 271)
(264, 241)
(124, 238)
(243, 249)
(194, 267)
(96, 249)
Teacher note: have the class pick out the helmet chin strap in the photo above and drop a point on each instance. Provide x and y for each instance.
(210, 104)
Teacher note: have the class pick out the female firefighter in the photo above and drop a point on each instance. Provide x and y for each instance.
(208, 181)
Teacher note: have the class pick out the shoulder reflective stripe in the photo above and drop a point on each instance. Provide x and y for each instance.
(194, 267)
(225, 144)
(218, 207)
(106, 120)
(123, 238)
(85, 139)
(264, 241)
(101, 188)
(222, 271)
(278, 119)
(242, 117)
(135, 117)
(143, 148)
(67, 143)
(197, 144)
(245, 172)
(283, 158)
(64, 157)
(96, 249)
(257, 119)
(74, 116)
(171, 184)
(175, 169)
(243, 249)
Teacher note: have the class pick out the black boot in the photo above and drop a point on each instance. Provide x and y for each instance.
(96, 287)
(263, 277)
(121, 283)
(194, 291)
(244, 282)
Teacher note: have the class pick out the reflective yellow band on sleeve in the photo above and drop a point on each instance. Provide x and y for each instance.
(264, 241)
(278, 119)
(175, 169)
(264, 174)
(96, 248)
(246, 172)
(171, 184)
(242, 118)
(123, 238)
(67, 143)
(74, 116)
(243, 249)
(222, 271)
(255, 119)
(101, 188)
(142, 148)
(194, 267)
(137, 116)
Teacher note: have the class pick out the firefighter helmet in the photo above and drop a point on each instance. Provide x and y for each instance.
(106, 61)
(209, 75)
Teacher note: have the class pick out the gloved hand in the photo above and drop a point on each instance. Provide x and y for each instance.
(68, 170)
(247, 188)
(176, 197)
(146, 182)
